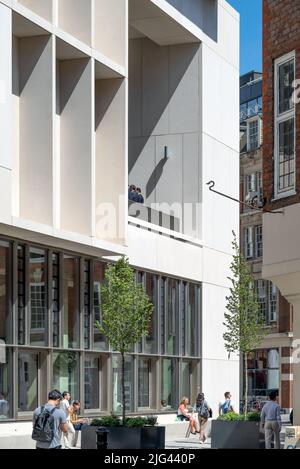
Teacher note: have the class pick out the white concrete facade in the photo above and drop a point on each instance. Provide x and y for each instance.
(69, 113)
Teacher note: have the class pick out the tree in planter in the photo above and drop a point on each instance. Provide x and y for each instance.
(126, 312)
(244, 322)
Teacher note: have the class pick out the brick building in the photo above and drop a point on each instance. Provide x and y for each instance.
(281, 167)
(268, 367)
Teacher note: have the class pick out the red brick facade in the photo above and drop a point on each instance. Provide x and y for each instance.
(285, 316)
(286, 395)
(281, 35)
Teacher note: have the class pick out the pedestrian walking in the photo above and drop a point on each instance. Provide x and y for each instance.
(271, 421)
(49, 421)
(203, 409)
(69, 436)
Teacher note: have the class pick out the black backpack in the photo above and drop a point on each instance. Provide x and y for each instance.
(43, 429)
(203, 410)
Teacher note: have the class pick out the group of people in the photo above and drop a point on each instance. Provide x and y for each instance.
(59, 418)
(135, 194)
(201, 412)
(270, 416)
(64, 420)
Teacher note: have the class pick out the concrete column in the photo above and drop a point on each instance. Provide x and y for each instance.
(5, 112)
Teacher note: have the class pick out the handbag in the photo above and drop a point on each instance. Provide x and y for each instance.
(210, 413)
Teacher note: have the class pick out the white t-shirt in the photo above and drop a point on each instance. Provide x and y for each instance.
(65, 404)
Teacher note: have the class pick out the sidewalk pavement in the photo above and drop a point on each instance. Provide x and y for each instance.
(193, 442)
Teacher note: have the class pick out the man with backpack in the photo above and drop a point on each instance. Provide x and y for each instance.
(227, 405)
(49, 421)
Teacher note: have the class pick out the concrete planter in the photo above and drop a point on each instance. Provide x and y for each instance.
(235, 435)
(126, 438)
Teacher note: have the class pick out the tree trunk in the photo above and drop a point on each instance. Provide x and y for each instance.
(246, 384)
(123, 387)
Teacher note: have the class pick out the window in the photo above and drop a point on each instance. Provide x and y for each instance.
(99, 274)
(263, 372)
(55, 300)
(253, 188)
(150, 345)
(284, 126)
(191, 323)
(258, 241)
(87, 305)
(5, 382)
(144, 375)
(267, 297)
(172, 312)
(250, 183)
(21, 296)
(273, 294)
(186, 373)
(38, 296)
(71, 302)
(262, 297)
(5, 294)
(66, 372)
(91, 382)
(27, 381)
(253, 134)
(250, 109)
(117, 383)
(168, 383)
(249, 242)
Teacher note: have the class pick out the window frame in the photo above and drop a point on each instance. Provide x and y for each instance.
(258, 251)
(259, 127)
(280, 118)
(247, 243)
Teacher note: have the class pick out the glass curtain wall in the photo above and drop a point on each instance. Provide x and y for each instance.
(168, 384)
(27, 381)
(98, 280)
(6, 397)
(66, 372)
(117, 383)
(38, 296)
(65, 353)
(71, 302)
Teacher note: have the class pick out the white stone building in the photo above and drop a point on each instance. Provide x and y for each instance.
(96, 95)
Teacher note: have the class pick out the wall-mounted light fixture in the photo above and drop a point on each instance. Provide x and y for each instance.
(167, 153)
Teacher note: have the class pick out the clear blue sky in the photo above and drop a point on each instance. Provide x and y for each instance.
(251, 33)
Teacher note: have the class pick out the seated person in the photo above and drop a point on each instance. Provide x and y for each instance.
(164, 405)
(183, 414)
(77, 422)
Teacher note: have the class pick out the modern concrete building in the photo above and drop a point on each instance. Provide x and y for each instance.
(281, 168)
(267, 365)
(94, 95)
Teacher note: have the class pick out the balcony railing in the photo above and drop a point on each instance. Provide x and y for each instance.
(156, 217)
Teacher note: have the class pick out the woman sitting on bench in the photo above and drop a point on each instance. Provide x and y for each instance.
(183, 414)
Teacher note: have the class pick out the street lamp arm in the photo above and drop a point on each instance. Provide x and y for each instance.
(212, 184)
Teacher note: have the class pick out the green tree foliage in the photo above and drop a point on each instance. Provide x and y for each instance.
(126, 312)
(244, 322)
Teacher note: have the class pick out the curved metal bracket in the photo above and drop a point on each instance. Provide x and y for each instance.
(211, 185)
